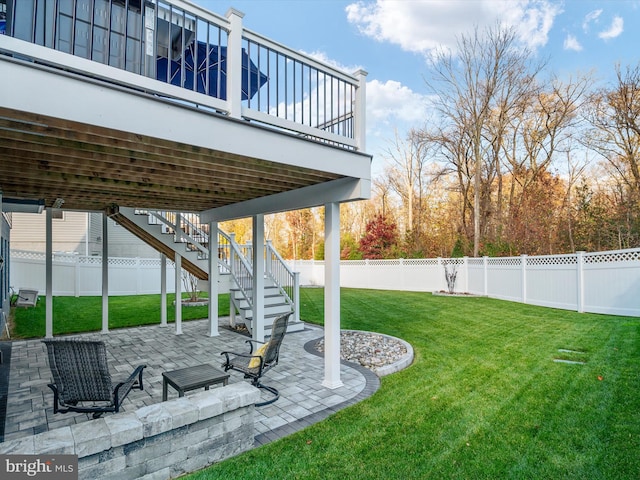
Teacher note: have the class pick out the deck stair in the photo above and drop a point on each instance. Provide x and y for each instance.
(170, 232)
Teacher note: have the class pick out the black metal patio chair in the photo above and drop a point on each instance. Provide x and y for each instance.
(81, 378)
(255, 365)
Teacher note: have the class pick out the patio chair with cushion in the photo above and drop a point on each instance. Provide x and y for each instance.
(81, 378)
(255, 365)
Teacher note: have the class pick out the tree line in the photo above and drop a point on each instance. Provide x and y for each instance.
(512, 160)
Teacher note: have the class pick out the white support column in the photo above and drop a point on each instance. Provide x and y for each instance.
(234, 63)
(3, 268)
(105, 273)
(163, 290)
(332, 296)
(49, 274)
(232, 271)
(257, 324)
(5, 300)
(178, 302)
(213, 279)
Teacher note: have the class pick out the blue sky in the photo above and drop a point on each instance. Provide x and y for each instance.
(392, 39)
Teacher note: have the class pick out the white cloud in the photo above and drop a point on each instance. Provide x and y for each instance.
(616, 28)
(324, 58)
(426, 26)
(572, 43)
(591, 17)
(391, 101)
(391, 108)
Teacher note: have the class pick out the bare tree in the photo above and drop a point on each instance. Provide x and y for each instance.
(575, 169)
(406, 176)
(475, 90)
(615, 117)
(614, 114)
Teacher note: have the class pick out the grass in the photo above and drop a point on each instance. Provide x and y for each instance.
(483, 399)
(84, 314)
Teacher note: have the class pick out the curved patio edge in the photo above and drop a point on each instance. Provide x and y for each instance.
(372, 384)
(404, 362)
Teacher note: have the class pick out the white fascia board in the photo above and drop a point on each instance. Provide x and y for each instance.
(336, 191)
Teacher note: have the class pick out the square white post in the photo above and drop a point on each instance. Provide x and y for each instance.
(360, 109)
(163, 290)
(257, 323)
(178, 302)
(523, 259)
(234, 62)
(105, 273)
(232, 271)
(332, 296)
(49, 273)
(580, 281)
(485, 267)
(213, 279)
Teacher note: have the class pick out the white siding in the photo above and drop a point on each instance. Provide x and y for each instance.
(76, 232)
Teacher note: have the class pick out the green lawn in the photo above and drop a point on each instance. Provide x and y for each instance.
(483, 400)
(84, 314)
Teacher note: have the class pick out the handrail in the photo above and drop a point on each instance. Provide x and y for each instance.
(233, 257)
(179, 234)
(302, 94)
(148, 47)
(279, 271)
(284, 277)
(241, 271)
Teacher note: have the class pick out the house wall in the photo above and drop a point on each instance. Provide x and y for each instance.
(76, 232)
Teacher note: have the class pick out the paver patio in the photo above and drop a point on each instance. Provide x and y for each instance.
(303, 400)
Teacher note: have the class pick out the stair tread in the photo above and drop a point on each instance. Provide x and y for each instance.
(266, 315)
(273, 305)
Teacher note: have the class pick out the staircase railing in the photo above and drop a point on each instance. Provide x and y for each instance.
(232, 257)
(239, 267)
(186, 228)
(287, 280)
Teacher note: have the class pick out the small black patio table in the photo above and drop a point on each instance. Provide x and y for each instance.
(191, 378)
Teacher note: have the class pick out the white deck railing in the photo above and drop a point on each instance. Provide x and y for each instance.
(152, 47)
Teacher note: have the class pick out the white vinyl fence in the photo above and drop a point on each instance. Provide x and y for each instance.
(600, 282)
(79, 275)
